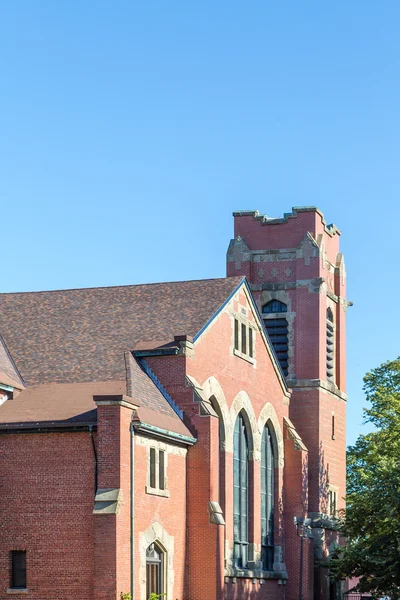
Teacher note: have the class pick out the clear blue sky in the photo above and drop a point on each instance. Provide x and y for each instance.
(130, 131)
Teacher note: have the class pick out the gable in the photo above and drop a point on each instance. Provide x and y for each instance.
(241, 315)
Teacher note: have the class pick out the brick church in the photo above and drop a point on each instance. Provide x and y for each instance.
(184, 439)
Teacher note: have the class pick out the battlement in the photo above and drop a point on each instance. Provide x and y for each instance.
(331, 229)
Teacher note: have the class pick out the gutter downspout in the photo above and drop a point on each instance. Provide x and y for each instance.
(95, 458)
(132, 507)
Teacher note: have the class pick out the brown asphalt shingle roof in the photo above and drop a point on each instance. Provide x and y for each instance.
(8, 372)
(55, 402)
(80, 335)
(145, 392)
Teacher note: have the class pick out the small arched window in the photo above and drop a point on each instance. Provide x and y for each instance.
(154, 570)
(240, 493)
(274, 306)
(277, 328)
(267, 499)
(330, 346)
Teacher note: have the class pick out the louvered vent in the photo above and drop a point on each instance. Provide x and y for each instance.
(278, 332)
(330, 346)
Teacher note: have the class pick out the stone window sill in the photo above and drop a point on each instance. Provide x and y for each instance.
(244, 356)
(233, 573)
(157, 492)
(18, 591)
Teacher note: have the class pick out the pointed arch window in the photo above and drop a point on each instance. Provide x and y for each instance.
(274, 306)
(240, 493)
(154, 570)
(330, 346)
(267, 499)
(277, 328)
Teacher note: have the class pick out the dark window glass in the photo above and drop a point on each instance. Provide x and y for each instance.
(278, 334)
(267, 500)
(333, 426)
(332, 503)
(236, 334)
(250, 342)
(154, 570)
(244, 345)
(161, 470)
(274, 306)
(152, 467)
(18, 569)
(240, 493)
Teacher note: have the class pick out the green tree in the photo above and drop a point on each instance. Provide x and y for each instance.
(371, 522)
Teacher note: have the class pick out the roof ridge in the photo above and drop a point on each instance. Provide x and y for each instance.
(128, 285)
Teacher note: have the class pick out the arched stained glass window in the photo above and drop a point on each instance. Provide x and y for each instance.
(277, 328)
(267, 500)
(240, 493)
(154, 570)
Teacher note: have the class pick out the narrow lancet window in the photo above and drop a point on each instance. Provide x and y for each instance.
(267, 500)
(240, 493)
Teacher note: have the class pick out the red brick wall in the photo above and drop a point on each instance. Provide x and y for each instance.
(311, 408)
(112, 531)
(169, 512)
(213, 358)
(296, 504)
(46, 504)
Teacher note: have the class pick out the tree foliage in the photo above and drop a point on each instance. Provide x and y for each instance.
(371, 522)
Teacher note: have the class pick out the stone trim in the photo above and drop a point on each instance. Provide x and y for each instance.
(17, 590)
(216, 514)
(158, 444)
(243, 319)
(269, 417)
(116, 400)
(157, 492)
(242, 403)
(289, 315)
(310, 384)
(292, 433)
(211, 389)
(255, 571)
(321, 520)
(167, 449)
(244, 356)
(156, 533)
(107, 501)
(313, 285)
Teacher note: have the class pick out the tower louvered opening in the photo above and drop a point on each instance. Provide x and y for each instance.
(278, 330)
(330, 346)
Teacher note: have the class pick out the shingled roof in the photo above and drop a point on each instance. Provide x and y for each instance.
(71, 336)
(69, 345)
(8, 372)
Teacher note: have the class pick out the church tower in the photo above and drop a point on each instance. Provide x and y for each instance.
(297, 274)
